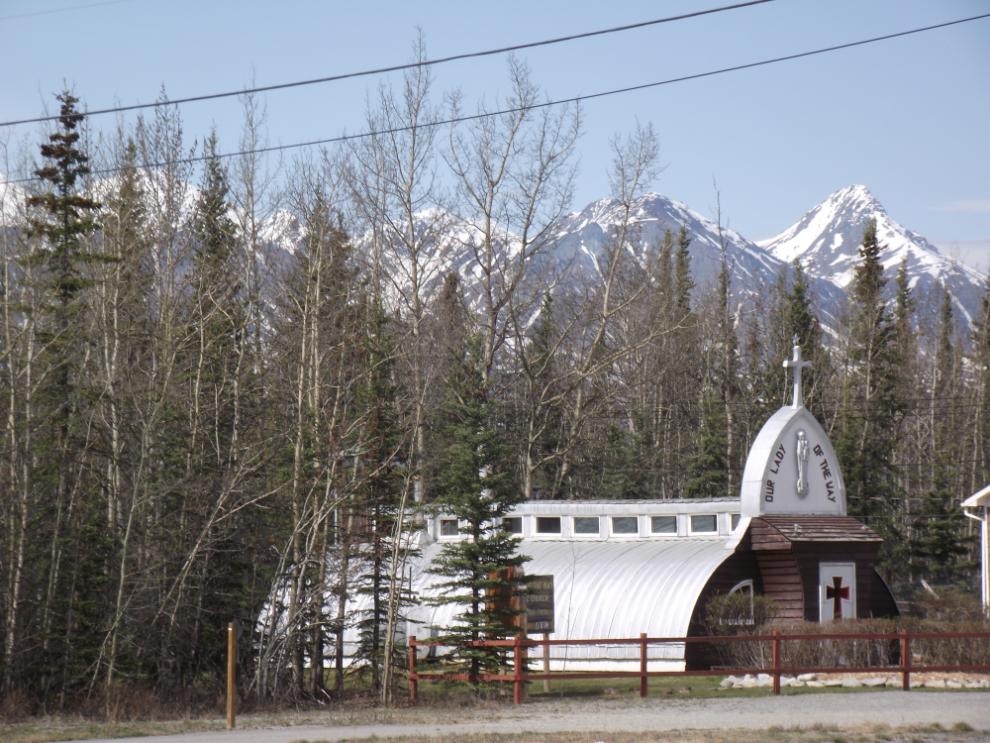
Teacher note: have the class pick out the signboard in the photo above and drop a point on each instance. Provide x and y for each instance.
(539, 604)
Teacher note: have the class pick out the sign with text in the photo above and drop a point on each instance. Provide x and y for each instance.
(539, 604)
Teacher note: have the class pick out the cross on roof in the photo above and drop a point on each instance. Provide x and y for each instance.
(797, 364)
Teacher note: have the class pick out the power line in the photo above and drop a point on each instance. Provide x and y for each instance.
(502, 112)
(394, 68)
(62, 10)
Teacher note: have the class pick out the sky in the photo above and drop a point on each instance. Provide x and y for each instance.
(908, 117)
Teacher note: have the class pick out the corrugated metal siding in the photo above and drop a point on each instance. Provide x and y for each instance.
(606, 589)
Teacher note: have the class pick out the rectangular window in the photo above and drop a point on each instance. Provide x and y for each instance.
(663, 524)
(513, 524)
(735, 520)
(625, 525)
(586, 525)
(448, 527)
(548, 524)
(707, 524)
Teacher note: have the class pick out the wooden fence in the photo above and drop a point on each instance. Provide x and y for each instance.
(520, 675)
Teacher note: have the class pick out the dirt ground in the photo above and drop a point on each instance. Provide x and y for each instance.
(866, 716)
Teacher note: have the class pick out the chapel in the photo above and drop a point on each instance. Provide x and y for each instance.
(615, 569)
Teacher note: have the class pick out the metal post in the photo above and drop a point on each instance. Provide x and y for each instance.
(517, 663)
(776, 662)
(642, 664)
(905, 660)
(412, 669)
(231, 674)
(546, 661)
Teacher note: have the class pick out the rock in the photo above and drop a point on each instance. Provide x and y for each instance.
(767, 682)
(748, 683)
(878, 681)
(984, 684)
(750, 677)
(973, 685)
(953, 685)
(934, 684)
(894, 683)
(788, 681)
(832, 682)
(808, 677)
(851, 683)
(728, 681)
(814, 684)
(917, 684)
(762, 676)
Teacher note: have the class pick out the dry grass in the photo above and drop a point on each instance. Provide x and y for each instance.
(772, 735)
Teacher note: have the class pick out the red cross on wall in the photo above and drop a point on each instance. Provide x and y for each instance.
(837, 592)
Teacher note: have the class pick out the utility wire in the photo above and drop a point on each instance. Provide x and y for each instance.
(394, 68)
(489, 114)
(62, 10)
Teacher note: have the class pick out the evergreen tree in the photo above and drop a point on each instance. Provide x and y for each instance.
(801, 322)
(380, 449)
(683, 283)
(938, 527)
(78, 551)
(474, 485)
(871, 408)
(627, 455)
(706, 469)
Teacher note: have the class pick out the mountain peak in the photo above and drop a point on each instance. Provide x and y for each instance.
(826, 240)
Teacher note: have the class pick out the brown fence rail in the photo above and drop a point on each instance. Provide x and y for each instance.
(520, 675)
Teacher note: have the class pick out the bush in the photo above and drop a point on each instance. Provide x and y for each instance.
(728, 615)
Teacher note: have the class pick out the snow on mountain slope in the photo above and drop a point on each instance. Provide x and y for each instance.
(582, 235)
(827, 240)
(11, 201)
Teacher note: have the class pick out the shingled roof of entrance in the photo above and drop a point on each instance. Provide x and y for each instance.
(773, 532)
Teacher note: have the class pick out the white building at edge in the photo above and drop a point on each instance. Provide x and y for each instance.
(621, 568)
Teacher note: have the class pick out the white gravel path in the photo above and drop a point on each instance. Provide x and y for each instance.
(842, 711)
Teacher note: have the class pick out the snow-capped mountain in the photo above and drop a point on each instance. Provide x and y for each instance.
(581, 237)
(11, 201)
(826, 241)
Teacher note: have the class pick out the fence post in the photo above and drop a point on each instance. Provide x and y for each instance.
(776, 662)
(231, 674)
(412, 669)
(517, 663)
(642, 664)
(905, 660)
(546, 661)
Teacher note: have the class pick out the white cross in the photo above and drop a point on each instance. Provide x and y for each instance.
(797, 365)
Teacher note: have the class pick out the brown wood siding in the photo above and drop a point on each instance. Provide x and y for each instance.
(781, 578)
(809, 557)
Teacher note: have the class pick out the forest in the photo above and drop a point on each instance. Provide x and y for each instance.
(226, 385)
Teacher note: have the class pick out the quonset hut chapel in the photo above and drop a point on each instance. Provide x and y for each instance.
(621, 568)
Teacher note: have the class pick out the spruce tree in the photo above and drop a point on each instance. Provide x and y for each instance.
(871, 408)
(627, 455)
(938, 526)
(683, 283)
(381, 448)
(77, 545)
(473, 484)
(707, 469)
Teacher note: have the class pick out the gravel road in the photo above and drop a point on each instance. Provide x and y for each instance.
(843, 711)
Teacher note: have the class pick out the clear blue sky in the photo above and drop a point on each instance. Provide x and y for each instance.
(909, 118)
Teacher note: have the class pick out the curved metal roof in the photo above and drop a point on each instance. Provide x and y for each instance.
(604, 589)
